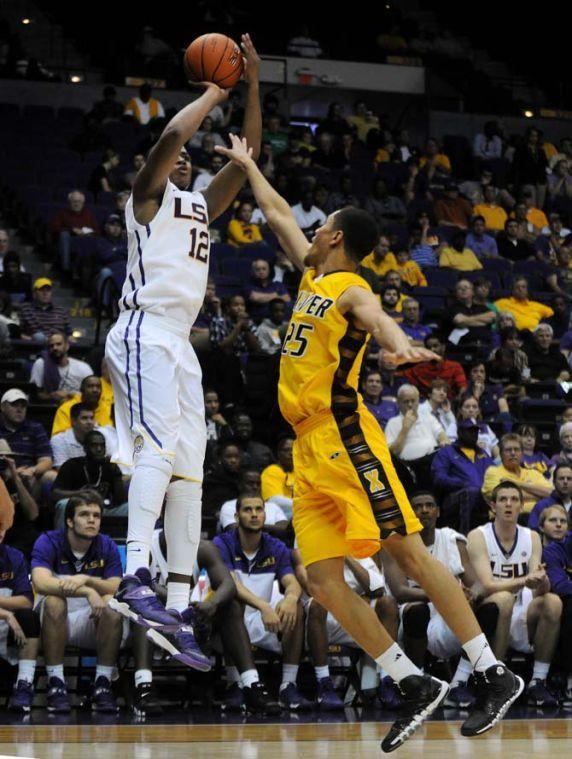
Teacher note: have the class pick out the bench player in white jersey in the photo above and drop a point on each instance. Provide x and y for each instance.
(155, 373)
(507, 560)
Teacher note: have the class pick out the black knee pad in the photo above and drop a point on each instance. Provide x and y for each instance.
(487, 616)
(29, 621)
(416, 620)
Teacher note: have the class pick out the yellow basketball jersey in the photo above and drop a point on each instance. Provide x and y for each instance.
(322, 352)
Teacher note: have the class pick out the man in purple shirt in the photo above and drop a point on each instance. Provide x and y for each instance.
(19, 624)
(482, 245)
(557, 556)
(75, 571)
(415, 331)
(382, 409)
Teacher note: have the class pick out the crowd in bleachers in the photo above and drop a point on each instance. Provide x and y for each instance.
(473, 262)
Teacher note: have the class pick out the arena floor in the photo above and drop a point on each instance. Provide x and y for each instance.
(354, 734)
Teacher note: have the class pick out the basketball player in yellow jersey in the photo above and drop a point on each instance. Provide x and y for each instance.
(347, 497)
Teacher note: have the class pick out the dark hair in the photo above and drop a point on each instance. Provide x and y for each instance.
(558, 467)
(434, 336)
(12, 257)
(84, 499)
(478, 217)
(91, 434)
(85, 379)
(506, 485)
(506, 333)
(480, 281)
(242, 497)
(527, 429)
(77, 409)
(419, 493)
(360, 231)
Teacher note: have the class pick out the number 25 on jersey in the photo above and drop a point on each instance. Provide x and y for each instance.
(296, 342)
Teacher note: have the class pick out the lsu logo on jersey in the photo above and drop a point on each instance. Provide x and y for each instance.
(375, 484)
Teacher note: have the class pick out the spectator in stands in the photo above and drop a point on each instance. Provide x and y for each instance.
(409, 270)
(553, 525)
(421, 375)
(482, 290)
(263, 620)
(363, 120)
(262, 289)
(211, 307)
(434, 160)
(275, 135)
(42, 318)
(560, 496)
(410, 436)
(19, 624)
(24, 509)
(92, 396)
(559, 280)
(565, 437)
(494, 215)
(529, 167)
(255, 455)
(527, 313)
(526, 228)
(249, 483)
(508, 364)
(272, 331)
(487, 440)
(470, 322)
(382, 409)
(545, 360)
(511, 243)
(457, 256)
(489, 395)
(531, 458)
(277, 479)
(241, 230)
(384, 208)
(534, 215)
(102, 177)
(327, 156)
(420, 249)
(411, 325)
(487, 145)
(138, 163)
(390, 295)
(342, 197)
(74, 221)
(14, 280)
(91, 471)
(532, 484)
(557, 556)
(144, 108)
(381, 259)
(307, 215)
(4, 246)
(108, 109)
(560, 183)
(438, 406)
(519, 586)
(75, 571)
(552, 237)
(217, 426)
(303, 44)
(70, 444)
(57, 376)
(451, 210)
(26, 438)
(221, 483)
(482, 244)
(205, 177)
(391, 381)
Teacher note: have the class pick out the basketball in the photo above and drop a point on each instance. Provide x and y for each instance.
(214, 58)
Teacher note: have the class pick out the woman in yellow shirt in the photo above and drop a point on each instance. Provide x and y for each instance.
(409, 270)
(241, 231)
(457, 256)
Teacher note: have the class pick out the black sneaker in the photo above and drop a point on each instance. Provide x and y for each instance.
(258, 700)
(537, 694)
(497, 689)
(422, 694)
(145, 702)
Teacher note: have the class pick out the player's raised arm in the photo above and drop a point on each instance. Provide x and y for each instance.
(276, 210)
(368, 314)
(225, 186)
(150, 182)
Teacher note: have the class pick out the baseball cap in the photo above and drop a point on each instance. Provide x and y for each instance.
(113, 218)
(468, 424)
(13, 395)
(42, 282)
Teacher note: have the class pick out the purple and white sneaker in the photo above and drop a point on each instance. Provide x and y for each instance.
(327, 698)
(136, 601)
(178, 640)
(22, 697)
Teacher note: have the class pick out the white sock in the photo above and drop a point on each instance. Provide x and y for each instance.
(143, 676)
(322, 672)
(178, 595)
(249, 677)
(232, 675)
(397, 665)
(540, 671)
(26, 670)
(479, 653)
(55, 670)
(102, 671)
(146, 494)
(463, 672)
(289, 674)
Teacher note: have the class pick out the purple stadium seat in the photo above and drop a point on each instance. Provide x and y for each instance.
(236, 267)
(222, 250)
(446, 278)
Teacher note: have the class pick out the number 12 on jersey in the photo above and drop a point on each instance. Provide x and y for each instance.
(199, 245)
(296, 343)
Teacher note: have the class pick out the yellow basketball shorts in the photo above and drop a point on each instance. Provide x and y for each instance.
(347, 496)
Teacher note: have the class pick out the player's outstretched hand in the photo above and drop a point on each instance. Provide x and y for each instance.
(220, 94)
(251, 59)
(410, 356)
(239, 152)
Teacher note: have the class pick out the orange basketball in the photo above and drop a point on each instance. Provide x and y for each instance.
(214, 58)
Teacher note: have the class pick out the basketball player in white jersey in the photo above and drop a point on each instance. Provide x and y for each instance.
(155, 373)
(506, 558)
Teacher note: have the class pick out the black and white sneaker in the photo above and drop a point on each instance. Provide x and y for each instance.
(497, 689)
(145, 701)
(422, 694)
(257, 700)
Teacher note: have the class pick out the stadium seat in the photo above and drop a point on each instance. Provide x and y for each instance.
(446, 278)
(236, 267)
(532, 410)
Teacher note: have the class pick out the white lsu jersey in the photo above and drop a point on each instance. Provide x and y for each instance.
(508, 565)
(446, 550)
(168, 259)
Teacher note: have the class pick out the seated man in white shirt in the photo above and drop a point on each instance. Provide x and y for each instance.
(57, 376)
(414, 438)
(69, 444)
(308, 216)
(276, 522)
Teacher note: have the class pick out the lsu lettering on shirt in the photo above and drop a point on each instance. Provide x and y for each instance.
(512, 564)
(167, 262)
(323, 350)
